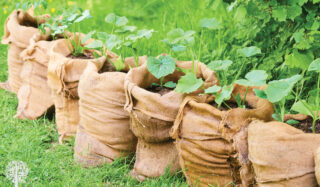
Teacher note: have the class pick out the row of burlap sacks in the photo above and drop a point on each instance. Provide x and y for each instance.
(243, 147)
(112, 114)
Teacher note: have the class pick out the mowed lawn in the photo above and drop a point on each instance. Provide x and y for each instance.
(36, 142)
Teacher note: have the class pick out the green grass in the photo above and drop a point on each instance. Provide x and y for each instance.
(36, 142)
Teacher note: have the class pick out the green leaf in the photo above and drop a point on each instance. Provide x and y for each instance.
(117, 20)
(301, 2)
(292, 122)
(279, 13)
(96, 44)
(87, 37)
(277, 117)
(179, 36)
(254, 78)
(249, 51)
(240, 13)
(84, 15)
(119, 64)
(170, 84)
(299, 60)
(126, 28)
(178, 48)
(188, 83)
(213, 89)
(316, 1)
(260, 93)
(302, 107)
(224, 95)
(257, 76)
(219, 65)
(279, 89)
(315, 65)
(161, 67)
(243, 82)
(110, 40)
(144, 33)
(312, 96)
(210, 23)
(294, 11)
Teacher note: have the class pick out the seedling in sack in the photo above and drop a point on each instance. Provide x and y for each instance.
(117, 41)
(253, 78)
(37, 7)
(69, 20)
(132, 41)
(179, 40)
(311, 106)
(277, 92)
(161, 67)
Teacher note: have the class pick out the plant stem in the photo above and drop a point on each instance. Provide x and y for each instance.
(299, 91)
(227, 105)
(314, 125)
(192, 60)
(282, 110)
(199, 51)
(239, 72)
(244, 98)
(136, 59)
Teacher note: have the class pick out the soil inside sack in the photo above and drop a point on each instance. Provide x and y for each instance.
(306, 125)
(160, 90)
(152, 113)
(104, 130)
(20, 27)
(212, 141)
(63, 79)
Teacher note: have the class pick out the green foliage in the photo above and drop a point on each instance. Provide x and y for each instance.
(162, 66)
(27, 4)
(170, 84)
(254, 78)
(179, 40)
(219, 65)
(277, 90)
(188, 83)
(210, 23)
(224, 95)
(249, 51)
(116, 20)
(213, 89)
(315, 66)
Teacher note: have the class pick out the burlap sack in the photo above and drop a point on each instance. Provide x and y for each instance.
(152, 115)
(104, 131)
(282, 155)
(212, 142)
(19, 28)
(63, 78)
(34, 94)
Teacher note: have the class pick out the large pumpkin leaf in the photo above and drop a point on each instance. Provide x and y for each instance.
(162, 66)
(254, 78)
(188, 83)
(279, 89)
